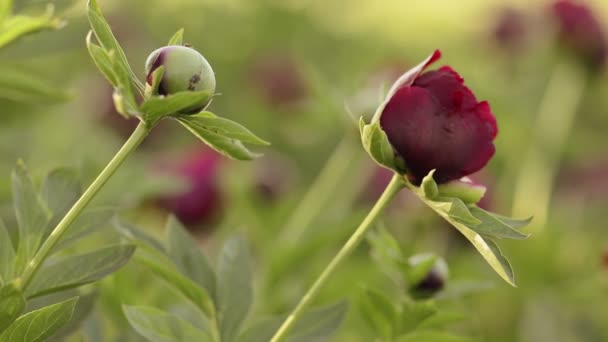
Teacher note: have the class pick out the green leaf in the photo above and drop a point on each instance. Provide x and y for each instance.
(74, 271)
(102, 60)
(227, 146)
(230, 129)
(442, 319)
(315, 325)
(82, 311)
(178, 38)
(124, 99)
(379, 312)
(12, 304)
(186, 254)
(106, 38)
(234, 287)
(512, 222)
(88, 222)
(23, 85)
(433, 336)
(139, 237)
(159, 326)
(429, 187)
(484, 246)
(166, 270)
(31, 213)
(413, 313)
(60, 190)
(377, 145)
(460, 212)
(17, 26)
(492, 226)
(7, 255)
(158, 107)
(38, 325)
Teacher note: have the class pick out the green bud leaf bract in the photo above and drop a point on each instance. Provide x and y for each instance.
(157, 107)
(225, 136)
(177, 39)
(37, 326)
(377, 145)
(477, 225)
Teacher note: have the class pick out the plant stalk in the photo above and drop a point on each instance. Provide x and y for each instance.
(49, 244)
(397, 183)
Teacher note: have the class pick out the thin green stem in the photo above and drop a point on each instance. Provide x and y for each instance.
(47, 247)
(396, 184)
(534, 183)
(320, 191)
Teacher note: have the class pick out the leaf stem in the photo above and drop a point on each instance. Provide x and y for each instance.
(534, 183)
(47, 247)
(397, 183)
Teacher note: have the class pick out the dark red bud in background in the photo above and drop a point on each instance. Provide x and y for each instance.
(510, 31)
(433, 281)
(435, 122)
(201, 203)
(277, 79)
(580, 32)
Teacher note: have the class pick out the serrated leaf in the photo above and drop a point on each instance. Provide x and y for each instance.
(74, 271)
(12, 303)
(88, 222)
(483, 245)
(234, 287)
(159, 326)
(229, 147)
(31, 213)
(186, 254)
(379, 312)
(178, 38)
(23, 85)
(228, 128)
(157, 107)
(7, 255)
(166, 270)
(102, 60)
(18, 26)
(60, 190)
(429, 187)
(315, 326)
(376, 143)
(492, 226)
(38, 325)
(106, 38)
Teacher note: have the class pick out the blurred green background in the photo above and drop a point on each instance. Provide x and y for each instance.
(288, 70)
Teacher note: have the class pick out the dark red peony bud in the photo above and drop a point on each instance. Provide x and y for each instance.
(201, 202)
(185, 70)
(278, 80)
(433, 281)
(433, 121)
(581, 32)
(510, 30)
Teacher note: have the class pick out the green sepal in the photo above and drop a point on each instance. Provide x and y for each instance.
(177, 39)
(152, 90)
(158, 107)
(469, 193)
(376, 144)
(429, 186)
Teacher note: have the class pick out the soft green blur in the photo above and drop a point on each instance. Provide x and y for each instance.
(338, 47)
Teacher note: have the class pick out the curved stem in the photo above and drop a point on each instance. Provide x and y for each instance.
(391, 190)
(49, 244)
(534, 183)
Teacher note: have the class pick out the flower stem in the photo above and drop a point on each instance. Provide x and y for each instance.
(391, 190)
(49, 244)
(534, 183)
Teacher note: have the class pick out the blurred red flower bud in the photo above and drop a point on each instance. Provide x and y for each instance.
(581, 32)
(433, 121)
(433, 281)
(201, 202)
(278, 81)
(510, 29)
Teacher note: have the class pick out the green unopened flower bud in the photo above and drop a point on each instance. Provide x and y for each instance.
(185, 69)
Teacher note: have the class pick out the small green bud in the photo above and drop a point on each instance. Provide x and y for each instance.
(185, 69)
